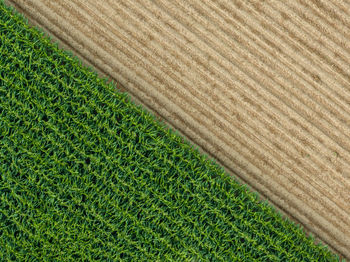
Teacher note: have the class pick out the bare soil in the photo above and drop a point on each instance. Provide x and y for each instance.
(261, 86)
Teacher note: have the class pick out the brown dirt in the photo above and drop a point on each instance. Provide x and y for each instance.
(261, 86)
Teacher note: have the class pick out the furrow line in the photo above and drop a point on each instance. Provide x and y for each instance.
(302, 27)
(268, 24)
(324, 21)
(301, 71)
(317, 30)
(330, 9)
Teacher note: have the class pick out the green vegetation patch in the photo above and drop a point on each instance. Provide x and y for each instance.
(85, 174)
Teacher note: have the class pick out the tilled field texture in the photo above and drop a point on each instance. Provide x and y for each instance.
(261, 86)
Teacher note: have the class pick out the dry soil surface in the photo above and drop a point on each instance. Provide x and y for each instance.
(261, 86)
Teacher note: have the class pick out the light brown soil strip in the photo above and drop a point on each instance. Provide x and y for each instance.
(261, 86)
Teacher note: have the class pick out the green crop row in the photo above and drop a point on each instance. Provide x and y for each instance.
(85, 174)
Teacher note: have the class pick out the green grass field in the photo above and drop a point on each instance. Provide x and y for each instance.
(86, 175)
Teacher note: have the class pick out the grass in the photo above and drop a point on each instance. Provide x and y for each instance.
(87, 175)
